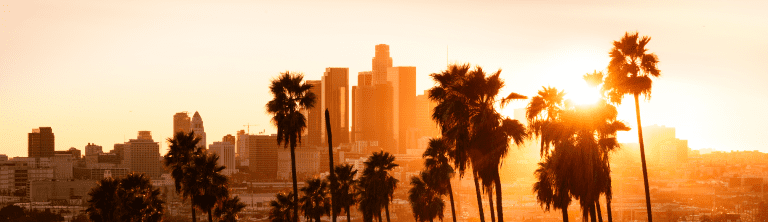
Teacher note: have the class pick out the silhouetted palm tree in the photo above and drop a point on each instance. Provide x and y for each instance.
(541, 111)
(426, 201)
(490, 132)
(378, 183)
(206, 183)
(282, 207)
(228, 209)
(437, 163)
(315, 203)
(552, 187)
(345, 194)
(291, 95)
(629, 73)
(129, 199)
(451, 115)
(178, 159)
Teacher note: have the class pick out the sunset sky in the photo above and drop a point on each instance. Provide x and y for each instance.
(99, 71)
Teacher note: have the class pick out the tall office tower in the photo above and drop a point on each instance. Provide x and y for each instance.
(226, 152)
(315, 115)
(423, 126)
(242, 145)
(383, 137)
(197, 127)
(41, 143)
(362, 110)
(403, 80)
(263, 156)
(229, 138)
(181, 122)
(142, 155)
(335, 98)
(380, 63)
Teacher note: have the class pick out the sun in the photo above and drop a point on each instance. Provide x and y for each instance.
(581, 94)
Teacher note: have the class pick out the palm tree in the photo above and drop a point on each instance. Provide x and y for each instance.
(315, 203)
(378, 183)
(345, 183)
(630, 72)
(451, 115)
(437, 163)
(541, 111)
(553, 184)
(228, 209)
(181, 149)
(425, 198)
(206, 183)
(291, 96)
(331, 173)
(490, 133)
(129, 199)
(282, 207)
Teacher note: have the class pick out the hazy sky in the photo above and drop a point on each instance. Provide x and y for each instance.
(99, 71)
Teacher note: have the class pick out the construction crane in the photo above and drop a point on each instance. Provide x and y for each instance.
(249, 127)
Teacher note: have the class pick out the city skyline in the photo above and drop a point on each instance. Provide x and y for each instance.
(113, 91)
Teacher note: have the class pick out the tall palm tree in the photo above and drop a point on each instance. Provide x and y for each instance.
(437, 163)
(629, 73)
(291, 95)
(206, 183)
(228, 209)
(178, 159)
(331, 173)
(345, 194)
(451, 115)
(490, 132)
(541, 111)
(378, 182)
(128, 199)
(425, 198)
(315, 203)
(282, 207)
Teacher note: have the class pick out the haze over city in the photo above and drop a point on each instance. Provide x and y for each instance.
(97, 72)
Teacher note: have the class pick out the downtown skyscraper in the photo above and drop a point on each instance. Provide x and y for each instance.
(335, 88)
(41, 142)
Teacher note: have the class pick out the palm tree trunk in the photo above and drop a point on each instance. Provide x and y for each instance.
(295, 186)
(599, 211)
(194, 217)
(348, 217)
(592, 213)
(479, 198)
(608, 209)
(565, 214)
(210, 216)
(642, 159)
(386, 208)
(379, 214)
(331, 176)
(499, 206)
(490, 204)
(450, 194)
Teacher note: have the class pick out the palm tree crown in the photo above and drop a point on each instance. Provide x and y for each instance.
(315, 203)
(128, 199)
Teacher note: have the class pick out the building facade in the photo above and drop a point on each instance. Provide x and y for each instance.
(335, 86)
(315, 115)
(181, 122)
(142, 155)
(197, 127)
(41, 142)
(226, 152)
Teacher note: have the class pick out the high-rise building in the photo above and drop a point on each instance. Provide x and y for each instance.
(229, 138)
(197, 127)
(380, 63)
(92, 150)
(263, 156)
(142, 155)
(242, 147)
(335, 84)
(315, 115)
(181, 122)
(403, 80)
(226, 152)
(41, 142)
(662, 147)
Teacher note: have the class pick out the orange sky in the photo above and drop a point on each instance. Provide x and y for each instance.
(99, 71)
